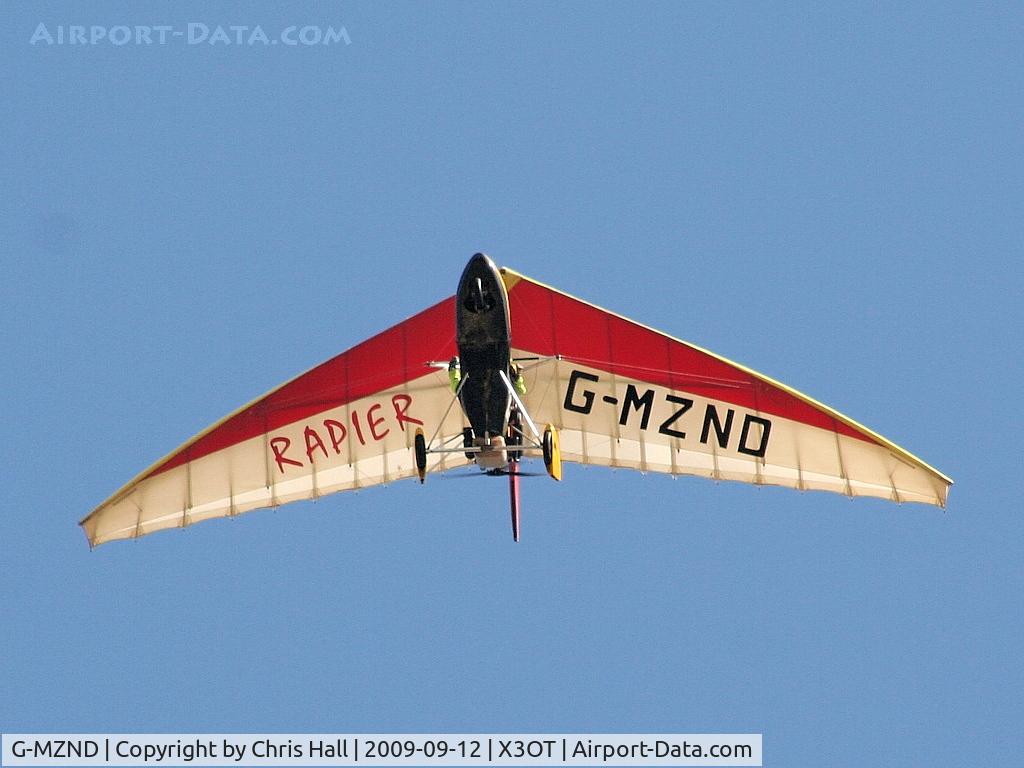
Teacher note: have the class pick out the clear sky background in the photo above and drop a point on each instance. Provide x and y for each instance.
(830, 195)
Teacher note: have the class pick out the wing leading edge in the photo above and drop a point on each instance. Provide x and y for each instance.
(625, 395)
(347, 423)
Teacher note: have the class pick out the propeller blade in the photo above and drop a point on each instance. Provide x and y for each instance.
(513, 496)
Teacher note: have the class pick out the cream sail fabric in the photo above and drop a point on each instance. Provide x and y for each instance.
(624, 395)
(348, 423)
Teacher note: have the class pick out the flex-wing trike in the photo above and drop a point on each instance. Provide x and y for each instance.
(486, 382)
(608, 391)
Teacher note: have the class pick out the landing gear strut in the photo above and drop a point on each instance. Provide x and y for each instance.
(515, 435)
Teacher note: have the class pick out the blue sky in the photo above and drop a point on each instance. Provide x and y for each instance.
(831, 195)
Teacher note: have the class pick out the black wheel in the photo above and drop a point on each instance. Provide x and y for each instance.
(547, 445)
(421, 455)
(467, 442)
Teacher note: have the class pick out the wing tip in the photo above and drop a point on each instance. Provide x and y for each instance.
(88, 536)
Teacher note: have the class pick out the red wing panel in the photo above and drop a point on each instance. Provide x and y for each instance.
(588, 334)
(390, 358)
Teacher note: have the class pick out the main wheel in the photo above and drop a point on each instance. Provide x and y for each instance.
(552, 453)
(421, 455)
(467, 442)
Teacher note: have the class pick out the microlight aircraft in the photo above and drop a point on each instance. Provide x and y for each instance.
(510, 368)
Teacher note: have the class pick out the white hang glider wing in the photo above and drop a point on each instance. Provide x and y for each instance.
(624, 395)
(620, 394)
(348, 423)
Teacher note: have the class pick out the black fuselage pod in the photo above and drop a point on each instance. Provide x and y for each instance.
(484, 339)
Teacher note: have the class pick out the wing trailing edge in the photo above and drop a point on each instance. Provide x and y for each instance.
(626, 395)
(347, 423)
